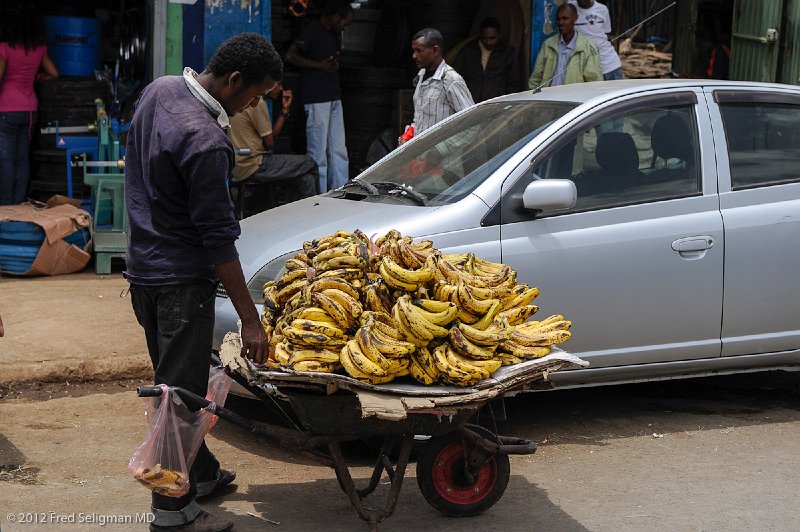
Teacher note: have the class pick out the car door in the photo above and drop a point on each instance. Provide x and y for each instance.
(759, 182)
(636, 264)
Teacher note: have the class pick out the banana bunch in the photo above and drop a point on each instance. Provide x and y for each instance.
(534, 339)
(384, 309)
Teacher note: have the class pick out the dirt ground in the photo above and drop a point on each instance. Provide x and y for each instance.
(707, 454)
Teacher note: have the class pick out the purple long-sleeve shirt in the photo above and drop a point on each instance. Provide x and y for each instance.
(180, 216)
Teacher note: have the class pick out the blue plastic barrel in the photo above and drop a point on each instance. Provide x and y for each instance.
(75, 44)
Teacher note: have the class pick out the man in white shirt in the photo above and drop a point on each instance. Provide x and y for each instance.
(595, 23)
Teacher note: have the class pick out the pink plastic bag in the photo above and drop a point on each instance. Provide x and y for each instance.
(174, 436)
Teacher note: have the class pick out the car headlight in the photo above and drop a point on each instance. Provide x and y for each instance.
(272, 271)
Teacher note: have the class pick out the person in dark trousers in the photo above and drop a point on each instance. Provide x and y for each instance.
(489, 65)
(295, 176)
(181, 234)
(316, 53)
(715, 57)
(23, 60)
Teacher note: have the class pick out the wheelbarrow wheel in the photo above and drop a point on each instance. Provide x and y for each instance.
(444, 484)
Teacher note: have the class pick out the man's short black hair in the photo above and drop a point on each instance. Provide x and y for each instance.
(248, 53)
(571, 7)
(430, 37)
(337, 7)
(490, 22)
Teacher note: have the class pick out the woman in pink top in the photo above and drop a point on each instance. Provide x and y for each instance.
(22, 56)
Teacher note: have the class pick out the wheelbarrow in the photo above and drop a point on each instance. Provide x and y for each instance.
(463, 468)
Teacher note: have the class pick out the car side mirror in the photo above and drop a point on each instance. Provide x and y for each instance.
(550, 194)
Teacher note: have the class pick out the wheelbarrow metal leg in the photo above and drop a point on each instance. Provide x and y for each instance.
(370, 515)
(380, 467)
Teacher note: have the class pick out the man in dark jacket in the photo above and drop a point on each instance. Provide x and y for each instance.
(489, 65)
(182, 232)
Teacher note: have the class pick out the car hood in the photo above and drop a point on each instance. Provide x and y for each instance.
(275, 232)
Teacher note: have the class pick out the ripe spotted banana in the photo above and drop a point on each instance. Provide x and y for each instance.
(415, 277)
(518, 315)
(540, 338)
(290, 276)
(313, 339)
(417, 318)
(411, 259)
(320, 327)
(455, 374)
(364, 339)
(336, 263)
(418, 372)
(336, 283)
(348, 274)
(326, 356)
(316, 314)
(283, 295)
(373, 300)
(363, 363)
(350, 303)
(405, 328)
(553, 322)
(476, 372)
(334, 309)
(489, 317)
(393, 281)
(465, 348)
(507, 359)
(295, 264)
(282, 352)
(524, 351)
(524, 295)
(313, 366)
(442, 317)
(470, 302)
(388, 346)
(491, 336)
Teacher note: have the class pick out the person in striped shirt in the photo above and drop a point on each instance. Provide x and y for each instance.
(439, 91)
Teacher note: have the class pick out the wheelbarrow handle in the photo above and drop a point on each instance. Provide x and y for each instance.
(149, 391)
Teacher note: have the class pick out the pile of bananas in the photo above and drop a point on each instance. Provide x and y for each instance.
(394, 307)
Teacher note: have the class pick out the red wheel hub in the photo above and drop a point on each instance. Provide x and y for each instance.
(450, 482)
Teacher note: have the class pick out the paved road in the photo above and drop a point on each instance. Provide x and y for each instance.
(706, 454)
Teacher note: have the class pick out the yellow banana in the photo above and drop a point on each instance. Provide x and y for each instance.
(470, 302)
(282, 352)
(295, 264)
(556, 321)
(398, 367)
(489, 317)
(419, 374)
(415, 322)
(337, 283)
(299, 336)
(336, 263)
(392, 234)
(351, 304)
(348, 274)
(303, 257)
(290, 276)
(283, 295)
(388, 346)
(486, 337)
(373, 300)
(488, 365)
(316, 314)
(425, 359)
(393, 281)
(334, 309)
(524, 351)
(420, 317)
(476, 373)
(408, 334)
(455, 374)
(313, 366)
(523, 297)
(441, 317)
(317, 355)
(423, 246)
(393, 252)
(411, 259)
(366, 345)
(464, 347)
(518, 315)
(540, 338)
(320, 327)
(363, 363)
(389, 329)
(405, 275)
(507, 359)
(341, 250)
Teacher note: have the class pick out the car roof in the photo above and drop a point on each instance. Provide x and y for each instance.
(584, 92)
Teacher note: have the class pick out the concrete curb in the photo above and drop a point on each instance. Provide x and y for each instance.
(104, 369)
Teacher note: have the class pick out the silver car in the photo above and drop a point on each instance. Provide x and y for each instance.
(661, 217)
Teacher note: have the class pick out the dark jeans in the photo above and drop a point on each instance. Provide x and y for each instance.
(178, 322)
(15, 131)
(296, 175)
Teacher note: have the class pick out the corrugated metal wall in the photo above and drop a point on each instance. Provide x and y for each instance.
(754, 56)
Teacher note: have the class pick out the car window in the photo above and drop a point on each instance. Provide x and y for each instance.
(648, 154)
(763, 143)
(451, 161)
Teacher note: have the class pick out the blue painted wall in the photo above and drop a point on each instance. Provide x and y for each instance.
(225, 18)
(543, 24)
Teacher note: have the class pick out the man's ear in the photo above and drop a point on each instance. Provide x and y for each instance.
(235, 79)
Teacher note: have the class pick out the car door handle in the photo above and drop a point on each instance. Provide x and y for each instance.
(693, 244)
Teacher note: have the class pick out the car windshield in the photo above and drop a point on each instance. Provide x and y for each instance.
(450, 162)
